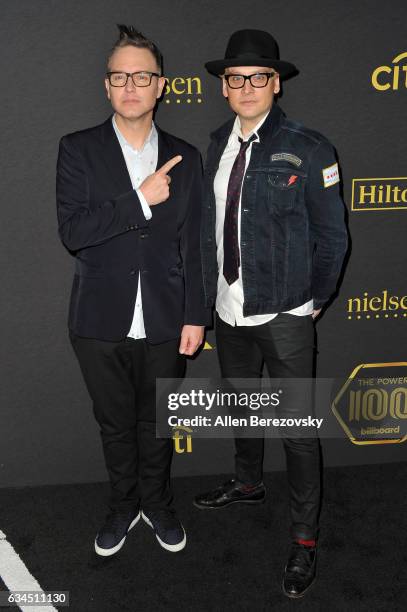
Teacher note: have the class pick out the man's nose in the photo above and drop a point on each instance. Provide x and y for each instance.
(247, 87)
(130, 86)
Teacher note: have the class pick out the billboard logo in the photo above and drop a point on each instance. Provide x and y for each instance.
(385, 78)
(180, 90)
(372, 405)
(379, 193)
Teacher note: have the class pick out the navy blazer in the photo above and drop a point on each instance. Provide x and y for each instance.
(102, 224)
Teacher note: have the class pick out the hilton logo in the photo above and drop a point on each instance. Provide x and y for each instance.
(384, 305)
(386, 78)
(183, 90)
(379, 193)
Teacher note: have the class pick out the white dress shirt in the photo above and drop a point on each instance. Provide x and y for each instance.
(140, 163)
(229, 301)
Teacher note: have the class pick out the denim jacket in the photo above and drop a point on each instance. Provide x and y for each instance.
(293, 235)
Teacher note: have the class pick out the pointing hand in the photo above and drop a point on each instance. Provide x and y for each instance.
(156, 187)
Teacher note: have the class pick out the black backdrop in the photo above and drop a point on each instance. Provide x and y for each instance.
(52, 65)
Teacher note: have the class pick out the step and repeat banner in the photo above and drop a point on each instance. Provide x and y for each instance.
(351, 86)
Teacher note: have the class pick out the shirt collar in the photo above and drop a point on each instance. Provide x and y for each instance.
(151, 139)
(237, 128)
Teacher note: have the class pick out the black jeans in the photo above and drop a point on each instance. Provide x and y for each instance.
(286, 345)
(121, 377)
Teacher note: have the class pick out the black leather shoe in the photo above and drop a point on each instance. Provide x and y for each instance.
(231, 493)
(299, 572)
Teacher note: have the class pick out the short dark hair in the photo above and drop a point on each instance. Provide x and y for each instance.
(128, 35)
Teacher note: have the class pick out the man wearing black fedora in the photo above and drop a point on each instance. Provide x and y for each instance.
(273, 242)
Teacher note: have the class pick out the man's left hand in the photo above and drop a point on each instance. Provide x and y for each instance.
(315, 313)
(191, 339)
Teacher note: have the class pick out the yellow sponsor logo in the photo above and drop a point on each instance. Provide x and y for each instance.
(379, 193)
(384, 305)
(182, 439)
(371, 407)
(183, 90)
(391, 78)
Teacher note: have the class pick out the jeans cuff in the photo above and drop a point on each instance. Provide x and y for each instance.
(303, 532)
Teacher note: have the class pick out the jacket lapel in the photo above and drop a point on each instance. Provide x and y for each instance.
(165, 151)
(113, 157)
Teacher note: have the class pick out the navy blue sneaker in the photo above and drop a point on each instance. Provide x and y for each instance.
(111, 537)
(167, 528)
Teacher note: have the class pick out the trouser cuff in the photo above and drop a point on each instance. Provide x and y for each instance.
(303, 532)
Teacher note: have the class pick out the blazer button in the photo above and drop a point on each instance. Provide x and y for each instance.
(132, 272)
(143, 235)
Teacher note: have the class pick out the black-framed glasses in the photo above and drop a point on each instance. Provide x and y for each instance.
(258, 79)
(140, 79)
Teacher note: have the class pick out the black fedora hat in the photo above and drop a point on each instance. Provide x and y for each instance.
(251, 48)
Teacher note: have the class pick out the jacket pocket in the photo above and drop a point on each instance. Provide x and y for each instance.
(86, 270)
(282, 189)
(176, 270)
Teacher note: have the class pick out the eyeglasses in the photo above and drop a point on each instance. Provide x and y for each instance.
(140, 79)
(258, 79)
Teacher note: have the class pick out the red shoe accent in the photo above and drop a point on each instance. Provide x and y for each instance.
(311, 543)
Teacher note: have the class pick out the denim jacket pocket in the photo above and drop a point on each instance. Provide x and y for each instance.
(282, 189)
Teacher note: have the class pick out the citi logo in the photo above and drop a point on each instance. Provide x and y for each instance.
(391, 77)
(182, 439)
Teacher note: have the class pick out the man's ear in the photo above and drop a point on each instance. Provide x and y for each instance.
(277, 84)
(107, 88)
(224, 87)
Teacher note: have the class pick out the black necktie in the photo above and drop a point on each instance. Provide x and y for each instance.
(231, 257)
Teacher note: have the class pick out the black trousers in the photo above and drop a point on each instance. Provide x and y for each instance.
(121, 377)
(286, 345)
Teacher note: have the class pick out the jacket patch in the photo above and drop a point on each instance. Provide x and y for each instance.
(330, 175)
(292, 159)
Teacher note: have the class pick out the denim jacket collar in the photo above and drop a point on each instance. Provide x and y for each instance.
(271, 125)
